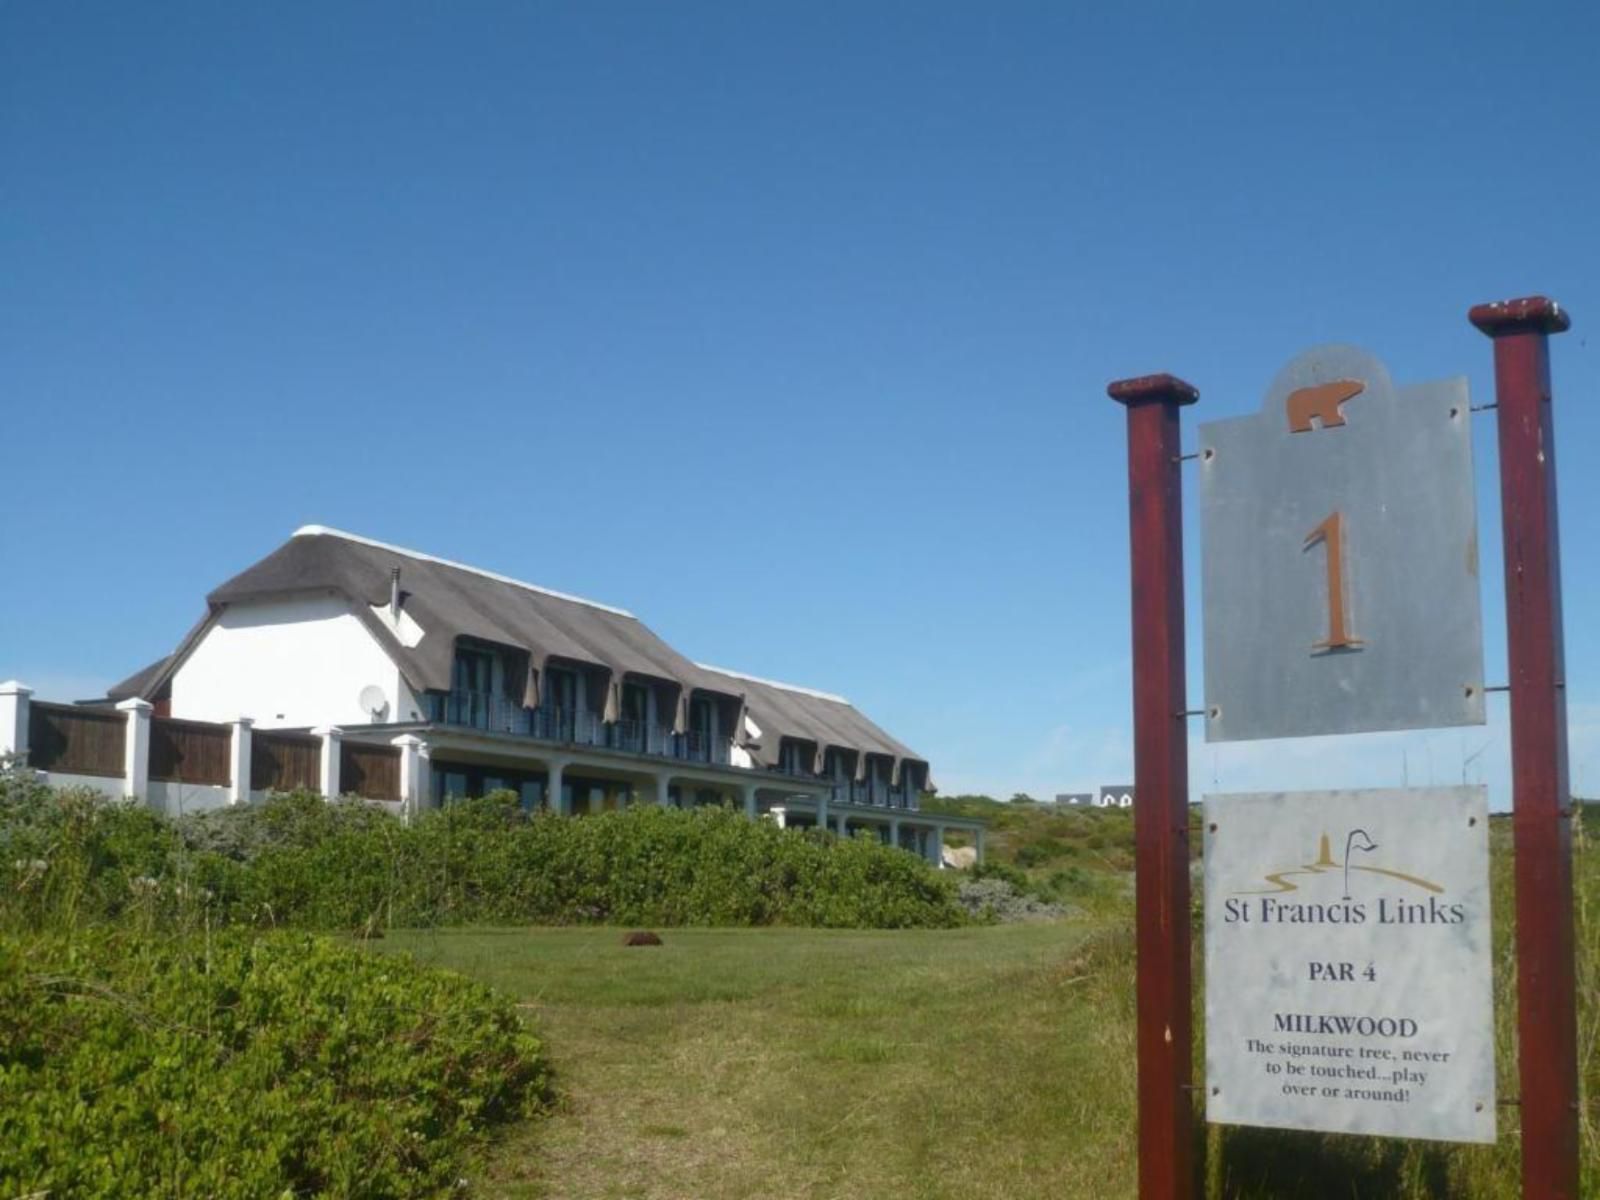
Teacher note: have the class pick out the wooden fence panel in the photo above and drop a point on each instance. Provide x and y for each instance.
(371, 772)
(76, 741)
(284, 762)
(190, 751)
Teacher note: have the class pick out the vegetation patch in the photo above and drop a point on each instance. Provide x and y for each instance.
(301, 862)
(246, 1065)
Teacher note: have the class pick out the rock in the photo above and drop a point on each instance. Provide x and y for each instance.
(960, 857)
(641, 937)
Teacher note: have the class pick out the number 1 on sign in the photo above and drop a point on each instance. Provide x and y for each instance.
(1331, 534)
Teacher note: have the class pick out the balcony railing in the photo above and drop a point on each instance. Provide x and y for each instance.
(501, 714)
(484, 710)
(874, 794)
(697, 745)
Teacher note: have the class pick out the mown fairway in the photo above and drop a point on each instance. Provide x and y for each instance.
(973, 1063)
(801, 1063)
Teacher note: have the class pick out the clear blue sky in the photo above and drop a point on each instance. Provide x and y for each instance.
(786, 326)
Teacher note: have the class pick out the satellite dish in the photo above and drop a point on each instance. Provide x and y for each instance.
(374, 702)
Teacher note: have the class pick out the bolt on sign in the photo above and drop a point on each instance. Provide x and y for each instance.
(1349, 982)
(1340, 556)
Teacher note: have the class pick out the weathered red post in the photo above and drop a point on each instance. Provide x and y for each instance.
(1161, 783)
(1541, 802)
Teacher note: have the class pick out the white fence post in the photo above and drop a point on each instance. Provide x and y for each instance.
(136, 749)
(14, 718)
(239, 762)
(328, 780)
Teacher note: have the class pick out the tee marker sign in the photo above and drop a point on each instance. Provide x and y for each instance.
(1340, 556)
(1340, 570)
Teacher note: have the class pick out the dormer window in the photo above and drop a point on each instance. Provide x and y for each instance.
(792, 759)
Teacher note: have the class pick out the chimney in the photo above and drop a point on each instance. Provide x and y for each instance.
(394, 594)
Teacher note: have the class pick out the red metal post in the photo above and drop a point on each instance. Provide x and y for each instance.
(1541, 802)
(1161, 784)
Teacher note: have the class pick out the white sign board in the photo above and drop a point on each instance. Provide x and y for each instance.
(1348, 969)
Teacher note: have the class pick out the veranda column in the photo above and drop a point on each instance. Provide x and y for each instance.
(936, 846)
(894, 832)
(558, 795)
(751, 811)
(136, 749)
(14, 718)
(239, 762)
(328, 776)
(822, 810)
(663, 789)
(415, 772)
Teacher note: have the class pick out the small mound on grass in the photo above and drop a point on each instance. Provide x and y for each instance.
(244, 1066)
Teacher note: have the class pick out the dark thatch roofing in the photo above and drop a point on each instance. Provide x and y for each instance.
(450, 601)
(782, 711)
(143, 681)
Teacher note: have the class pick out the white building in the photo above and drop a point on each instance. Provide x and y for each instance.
(490, 683)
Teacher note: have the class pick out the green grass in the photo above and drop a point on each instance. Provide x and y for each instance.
(972, 1063)
(804, 1063)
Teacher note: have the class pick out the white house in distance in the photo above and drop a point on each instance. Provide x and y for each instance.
(486, 683)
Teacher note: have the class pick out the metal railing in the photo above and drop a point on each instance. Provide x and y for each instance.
(501, 714)
(697, 745)
(485, 710)
(875, 794)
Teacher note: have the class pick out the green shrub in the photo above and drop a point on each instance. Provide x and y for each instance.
(242, 1065)
(297, 861)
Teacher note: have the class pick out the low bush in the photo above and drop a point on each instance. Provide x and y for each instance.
(300, 862)
(246, 1065)
(996, 900)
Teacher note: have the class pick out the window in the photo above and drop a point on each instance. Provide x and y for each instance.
(793, 759)
(474, 671)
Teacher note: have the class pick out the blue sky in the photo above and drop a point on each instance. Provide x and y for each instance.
(786, 326)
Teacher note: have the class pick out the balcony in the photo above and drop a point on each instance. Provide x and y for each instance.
(482, 710)
(875, 793)
(501, 714)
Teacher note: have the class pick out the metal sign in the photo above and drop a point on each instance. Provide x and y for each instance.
(1340, 556)
(1348, 968)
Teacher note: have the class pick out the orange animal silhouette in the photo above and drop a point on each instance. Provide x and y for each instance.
(1321, 402)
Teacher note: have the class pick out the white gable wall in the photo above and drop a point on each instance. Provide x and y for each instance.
(295, 661)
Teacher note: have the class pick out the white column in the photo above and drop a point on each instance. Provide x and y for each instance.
(822, 810)
(751, 808)
(894, 832)
(414, 774)
(557, 798)
(328, 780)
(239, 762)
(136, 749)
(663, 789)
(936, 846)
(14, 718)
